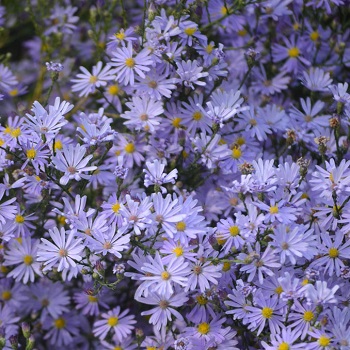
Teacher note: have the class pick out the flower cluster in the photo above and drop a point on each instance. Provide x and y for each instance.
(175, 175)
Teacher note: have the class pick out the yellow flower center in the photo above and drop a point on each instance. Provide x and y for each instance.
(19, 219)
(60, 323)
(240, 141)
(209, 48)
(58, 145)
(13, 92)
(28, 259)
(223, 10)
(93, 79)
(2, 141)
(113, 90)
(116, 207)
(6, 295)
(112, 321)
(333, 253)
(242, 32)
(190, 31)
(120, 35)
(236, 153)
(165, 275)
(283, 346)
(203, 328)
(176, 122)
(296, 26)
(129, 148)
(92, 299)
(197, 116)
(178, 251)
(117, 348)
(274, 209)
(305, 282)
(130, 62)
(220, 239)
(152, 84)
(234, 231)
(293, 52)
(31, 153)
(279, 290)
(181, 226)
(324, 341)
(226, 266)
(314, 35)
(308, 316)
(201, 300)
(267, 312)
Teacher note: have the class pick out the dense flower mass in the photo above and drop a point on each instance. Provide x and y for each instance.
(175, 175)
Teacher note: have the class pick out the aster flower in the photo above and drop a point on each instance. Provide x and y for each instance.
(88, 303)
(316, 79)
(190, 73)
(7, 79)
(160, 278)
(267, 310)
(320, 293)
(8, 320)
(144, 113)
(165, 309)
(87, 83)
(255, 263)
(285, 340)
(203, 273)
(116, 321)
(111, 241)
(155, 175)
(62, 330)
(24, 255)
(72, 161)
(127, 65)
(63, 253)
(62, 20)
(36, 153)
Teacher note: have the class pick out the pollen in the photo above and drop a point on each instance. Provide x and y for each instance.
(226, 266)
(19, 219)
(181, 226)
(152, 84)
(117, 348)
(242, 32)
(113, 321)
(113, 90)
(13, 92)
(308, 316)
(130, 62)
(197, 116)
(107, 245)
(178, 251)
(253, 122)
(209, 49)
(220, 239)
(293, 52)
(16, 132)
(28, 260)
(190, 31)
(203, 328)
(274, 209)
(116, 207)
(201, 300)
(2, 141)
(267, 312)
(165, 275)
(333, 253)
(278, 290)
(93, 79)
(129, 148)
(223, 10)
(120, 35)
(6, 295)
(197, 270)
(331, 177)
(31, 153)
(144, 117)
(163, 304)
(60, 323)
(72, 169)
(92, 299)
(234, 231)
(240, 141)
(283, 346)
(62, 253)
(324, 341)
(236, 153)
(314, 36)
(176, 122)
